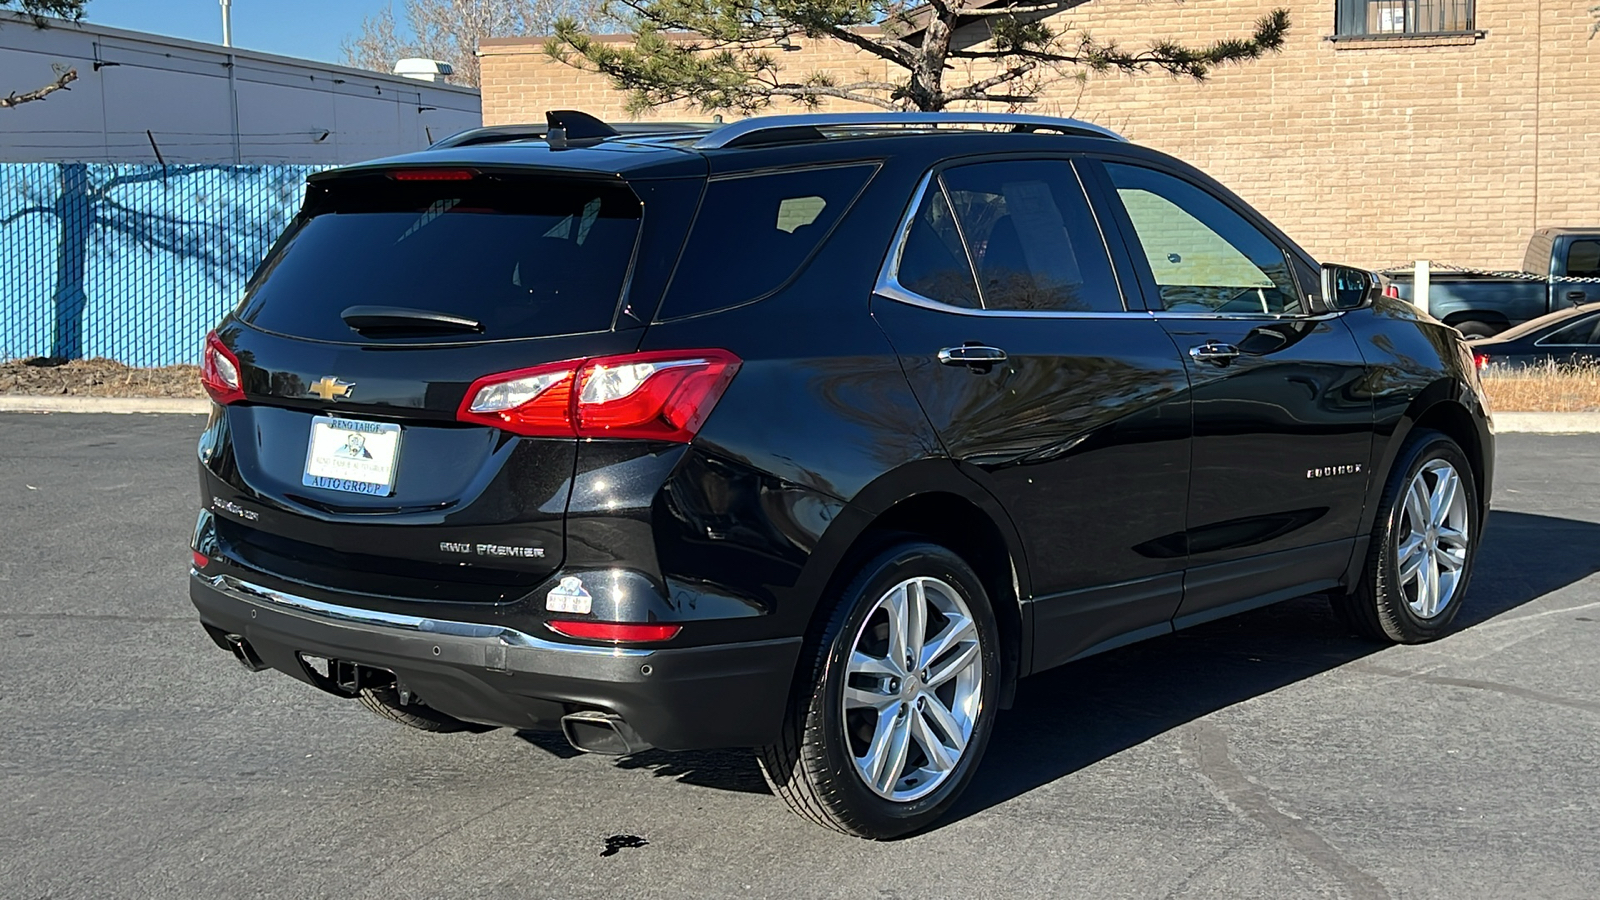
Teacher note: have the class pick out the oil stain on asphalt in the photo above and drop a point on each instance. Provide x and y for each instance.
(619, 842)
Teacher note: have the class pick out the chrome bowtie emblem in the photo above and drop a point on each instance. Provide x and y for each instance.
(328, 387)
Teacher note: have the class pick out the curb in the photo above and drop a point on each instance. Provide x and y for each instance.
(122, 405)
(1546, 423)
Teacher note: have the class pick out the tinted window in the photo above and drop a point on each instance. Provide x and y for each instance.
(933, 263)
(526, 258)
(1584, 331)
(1203, 256)
(1032, 238)
(753, 233)
(1583, 259)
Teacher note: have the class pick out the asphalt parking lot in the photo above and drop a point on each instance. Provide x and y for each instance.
(1265, 756)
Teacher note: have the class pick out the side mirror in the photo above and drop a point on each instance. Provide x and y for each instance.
(1344, 287)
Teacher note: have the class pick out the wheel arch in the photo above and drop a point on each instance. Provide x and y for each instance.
(1446, 406)
(931, 500)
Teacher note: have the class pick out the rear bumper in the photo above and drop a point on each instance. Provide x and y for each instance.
(726, 695)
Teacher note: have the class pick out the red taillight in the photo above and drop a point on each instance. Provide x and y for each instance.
(663, 396)
(432, 174)
(219, 371)
(200, 559)
(1391, 291)
(622, 632)
(536, 402)
(1481, 360)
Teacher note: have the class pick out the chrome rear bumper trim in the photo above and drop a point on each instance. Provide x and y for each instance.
(306, 607)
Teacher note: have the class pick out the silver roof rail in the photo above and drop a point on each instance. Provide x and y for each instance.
(742, 131)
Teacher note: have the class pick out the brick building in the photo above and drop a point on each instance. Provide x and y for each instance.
(1386, 130)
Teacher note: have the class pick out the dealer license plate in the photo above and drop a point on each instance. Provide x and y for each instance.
(351, 455)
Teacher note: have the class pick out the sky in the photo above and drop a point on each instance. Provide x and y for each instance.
(310, 29)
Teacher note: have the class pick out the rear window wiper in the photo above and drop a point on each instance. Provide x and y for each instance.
(377, 319)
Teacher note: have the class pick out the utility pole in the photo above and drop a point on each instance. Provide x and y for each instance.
(227, 23)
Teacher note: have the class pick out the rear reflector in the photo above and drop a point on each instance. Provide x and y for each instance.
(432, 174)
(1481, 360)
(219, 371)
(664, 396)
(200, 559)
(622, 632)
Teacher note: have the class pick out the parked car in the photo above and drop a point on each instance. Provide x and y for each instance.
(1569, 336)
(1483, 304)
(812, 434)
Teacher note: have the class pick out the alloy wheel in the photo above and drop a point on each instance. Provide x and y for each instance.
(912, 689)
(1433, 539)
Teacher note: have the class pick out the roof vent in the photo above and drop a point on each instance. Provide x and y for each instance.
(423, 69)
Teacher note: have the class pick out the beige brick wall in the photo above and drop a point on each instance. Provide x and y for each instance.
(1453, 150)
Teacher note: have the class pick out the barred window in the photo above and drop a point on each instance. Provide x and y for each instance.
(1381, 18)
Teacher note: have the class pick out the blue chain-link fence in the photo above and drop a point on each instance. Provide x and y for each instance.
(134, 263)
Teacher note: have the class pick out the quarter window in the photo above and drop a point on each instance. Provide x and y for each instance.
(1031, 237)
(1382, 18)
(753, 233)
(1203, 256)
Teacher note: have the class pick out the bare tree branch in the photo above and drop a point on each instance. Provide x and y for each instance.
(64, 77)
(26, 211)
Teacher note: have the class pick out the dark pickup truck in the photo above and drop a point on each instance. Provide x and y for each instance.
(1561, 269)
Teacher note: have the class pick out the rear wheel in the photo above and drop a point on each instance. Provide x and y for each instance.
(1475, 329)
(1423, 545)
(895, 702)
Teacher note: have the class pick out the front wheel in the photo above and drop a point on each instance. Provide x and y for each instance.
(894, 705)
(1423, 544)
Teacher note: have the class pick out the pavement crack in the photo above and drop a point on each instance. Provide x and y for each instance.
(1206, 747)
(1509, 690)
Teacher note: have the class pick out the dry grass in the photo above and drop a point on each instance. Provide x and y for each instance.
(97, 378)
(1546, 388)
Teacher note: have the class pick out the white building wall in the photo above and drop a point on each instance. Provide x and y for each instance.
(287, 110)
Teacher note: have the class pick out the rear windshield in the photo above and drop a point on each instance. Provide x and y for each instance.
(524, 257)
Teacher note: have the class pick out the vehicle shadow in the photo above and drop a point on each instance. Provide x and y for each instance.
(1074, 716)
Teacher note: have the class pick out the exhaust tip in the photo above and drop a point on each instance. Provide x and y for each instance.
(244, 653)
(593, 731)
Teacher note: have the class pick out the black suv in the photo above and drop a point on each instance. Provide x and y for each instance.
(806, 433)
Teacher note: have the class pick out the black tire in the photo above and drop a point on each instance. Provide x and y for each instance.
(1473, 328)
(812, 766)
(385, 703)
(1377, 606)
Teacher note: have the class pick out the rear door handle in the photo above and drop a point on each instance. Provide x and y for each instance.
(974, 355)
(1214, 352)
(1576, 298)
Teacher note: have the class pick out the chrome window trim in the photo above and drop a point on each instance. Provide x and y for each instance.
(305, 607)
(889, 287)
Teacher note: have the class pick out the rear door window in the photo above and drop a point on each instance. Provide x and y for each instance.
(524, 257)
(1584, 332)
(1036, 246)
(754, 232)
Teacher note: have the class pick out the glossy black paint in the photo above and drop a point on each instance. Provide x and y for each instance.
(1106, 486)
